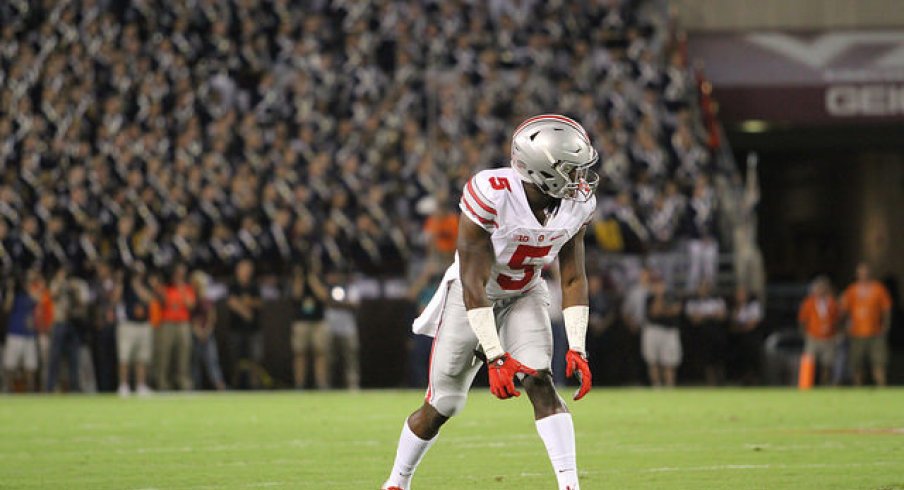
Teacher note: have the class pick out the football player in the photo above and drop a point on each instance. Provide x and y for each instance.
(492, 303)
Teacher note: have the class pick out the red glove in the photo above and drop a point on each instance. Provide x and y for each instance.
(502, 371)
(576, 364)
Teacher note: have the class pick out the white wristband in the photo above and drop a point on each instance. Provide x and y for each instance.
(483, 323)
(576, 318)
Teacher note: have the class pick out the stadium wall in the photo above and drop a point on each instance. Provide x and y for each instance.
(383, 330)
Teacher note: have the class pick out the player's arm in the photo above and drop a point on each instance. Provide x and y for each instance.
(886, 311)
(475, 253)
(237, 306)
(802, 318)
(318, 287)
(575, 310)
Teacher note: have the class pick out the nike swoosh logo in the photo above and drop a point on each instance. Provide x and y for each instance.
(557, 237)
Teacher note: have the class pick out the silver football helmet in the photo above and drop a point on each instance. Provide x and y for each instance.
(554, 152)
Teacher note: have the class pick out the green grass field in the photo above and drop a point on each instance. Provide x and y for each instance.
(627, 438)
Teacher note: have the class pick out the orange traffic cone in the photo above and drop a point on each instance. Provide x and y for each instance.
(806, 373)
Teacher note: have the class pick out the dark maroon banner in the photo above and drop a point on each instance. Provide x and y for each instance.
(823, 78)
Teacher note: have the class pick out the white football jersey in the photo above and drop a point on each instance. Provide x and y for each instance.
(495, 200)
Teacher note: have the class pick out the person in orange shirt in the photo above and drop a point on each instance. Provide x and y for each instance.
(818, 319)
(442, 228)
(867, 304)
(177, 300)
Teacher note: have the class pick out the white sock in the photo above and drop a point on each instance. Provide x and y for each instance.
(409, 454)
(557, 432)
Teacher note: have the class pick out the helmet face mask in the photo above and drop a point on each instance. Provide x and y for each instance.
(554, 153)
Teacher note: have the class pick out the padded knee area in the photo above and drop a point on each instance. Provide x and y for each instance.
(449, 405)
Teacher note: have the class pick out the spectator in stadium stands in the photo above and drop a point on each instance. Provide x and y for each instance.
(134, 334)
(177, 300)
(660, 337)
(25, 246)
(64, 337)
(190, 144)
(106, 291)
(442, 229)
(421, 292)
(702, 246)
(635, 235)
(6, 260)
(603, 314)
(634, 308)
(707, 314)
(746, 338)
(20, 351)
(662, 221)
(340, 316)
(818, 318)
(748, 259)
(615, 166)
(867, 305)
(203, 322)
(81, 320)
(692, 158)
(43, 324)
(246, 343)
(309, 329)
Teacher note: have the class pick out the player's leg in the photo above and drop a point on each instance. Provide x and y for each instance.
(9, 363)
(856, 355)
(825, 358)
(183, 356)
(352, 365)
(526, 333)
(30, 362)
(671, 357)
(300, 341)
(123, 348)
(321, 341)
(878, 358)
(143, 353)
(167, 333)
(452, 370)
(650, 355)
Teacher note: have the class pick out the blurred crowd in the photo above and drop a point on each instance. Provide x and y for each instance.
(142, 137)
(660, 333)
(205, 132)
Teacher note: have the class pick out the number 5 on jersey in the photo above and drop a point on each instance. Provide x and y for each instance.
(517, 262)
(500, 183)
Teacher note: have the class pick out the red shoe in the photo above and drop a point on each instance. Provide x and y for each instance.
(394, 488)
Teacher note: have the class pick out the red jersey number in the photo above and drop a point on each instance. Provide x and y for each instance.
(500, 183)
(522, 253)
